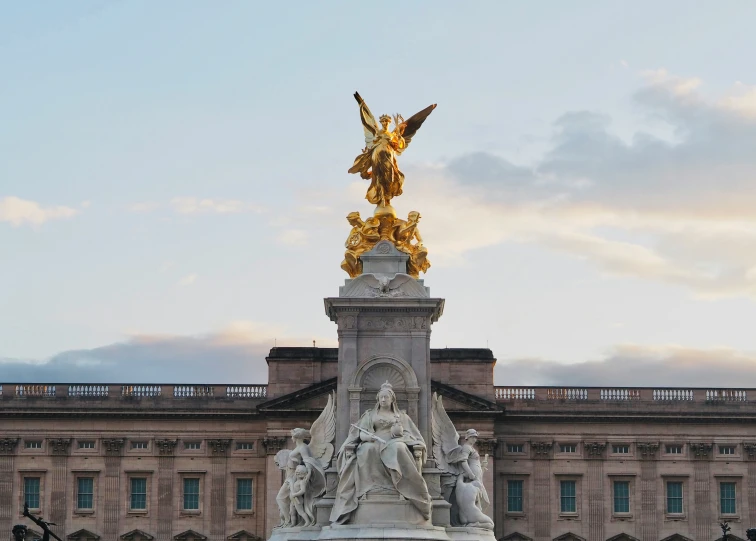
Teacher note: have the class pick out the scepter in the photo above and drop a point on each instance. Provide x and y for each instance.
(378, 438)
(39, 522)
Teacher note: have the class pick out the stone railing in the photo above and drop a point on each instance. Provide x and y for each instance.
(103, 391)
(624, 394)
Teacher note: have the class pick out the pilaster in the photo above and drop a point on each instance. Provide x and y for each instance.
(8, 448)
(113, 452)
(165, 510)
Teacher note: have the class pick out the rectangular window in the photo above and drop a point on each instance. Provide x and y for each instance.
(244, 446)
(621, 496)
(86, 445)
(31, 492)
(674, 497)
(514, 496)
(138, 493)
(726, 449)
(567, 496)
(139, 445)
(727, 498)
(244, 494)
(621, 449)
(191, 493)
(84, 493)
(192, 445)
(514, 448)
(35, 444)
(567, 448)
(674, 449)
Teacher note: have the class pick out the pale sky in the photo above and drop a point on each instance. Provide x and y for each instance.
(173, 183)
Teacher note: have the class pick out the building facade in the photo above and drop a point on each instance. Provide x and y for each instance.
(192, 462)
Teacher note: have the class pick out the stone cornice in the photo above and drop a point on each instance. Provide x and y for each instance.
(397, 305)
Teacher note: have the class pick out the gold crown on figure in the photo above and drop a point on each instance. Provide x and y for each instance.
(385, 117)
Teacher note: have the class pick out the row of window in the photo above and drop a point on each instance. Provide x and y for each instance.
(141, 444)
(138, 492)
(622, 448)
(621, 497)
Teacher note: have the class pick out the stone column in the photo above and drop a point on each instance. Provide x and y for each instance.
(704, 527)
(165, 509)
(649, 518)
(541, 455)
(749, 489)
(273, 482)
(219, 463)
(60, 448)
(7, 452)
(112, 486)
(595, 455)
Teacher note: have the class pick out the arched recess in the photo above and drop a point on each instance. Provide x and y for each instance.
(369, 377)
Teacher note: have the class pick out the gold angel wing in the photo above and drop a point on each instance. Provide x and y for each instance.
(445, 437)
(322, 433)
(368, 120)
(409, 127)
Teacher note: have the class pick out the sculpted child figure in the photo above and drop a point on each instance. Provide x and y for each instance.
(298, 489)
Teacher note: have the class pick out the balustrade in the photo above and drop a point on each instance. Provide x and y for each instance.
(192, 391)
(673, 395)
(35, 390)
(247, 391)
(566, 393)
(89, 390)
(141, 390)
(620, 394)
(726, 395)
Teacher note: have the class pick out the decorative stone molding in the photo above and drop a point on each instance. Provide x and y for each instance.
(165, 448)
(647, 449)
(487, 446)
(594, 449)
(113, 446)
(219, 447)
(516, 536)
(8, 446)
(189, 535)
(622, 537)
(83, 535)
(569, 536)
(137, 535)
(59, 446)
(273, 444)
(750, 449)
(541, 449)
(700, 450)
(676, 537)
(244, 535)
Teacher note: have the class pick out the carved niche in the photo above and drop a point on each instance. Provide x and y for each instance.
(369, 377)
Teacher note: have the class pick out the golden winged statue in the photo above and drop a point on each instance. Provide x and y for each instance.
(377, 161)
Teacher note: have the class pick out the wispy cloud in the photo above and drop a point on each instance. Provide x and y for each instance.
(143, 206)
(18, 212)
(188, 280)
(196, 205)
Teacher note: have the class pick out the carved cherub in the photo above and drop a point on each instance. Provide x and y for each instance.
(404, 234)
(465, 491)
(362, 237)
(298, 489)
(314, 457)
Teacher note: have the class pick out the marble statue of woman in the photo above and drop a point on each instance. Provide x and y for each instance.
(383, 460)
(465, 489)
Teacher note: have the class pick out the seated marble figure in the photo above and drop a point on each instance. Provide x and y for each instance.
(378, 456)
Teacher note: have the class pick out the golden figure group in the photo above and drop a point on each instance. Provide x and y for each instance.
(402, 233)
(377, 162)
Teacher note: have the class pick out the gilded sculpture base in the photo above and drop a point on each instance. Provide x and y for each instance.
(384, 225)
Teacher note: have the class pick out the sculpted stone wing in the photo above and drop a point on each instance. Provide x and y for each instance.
(322, 433)
(446, 447)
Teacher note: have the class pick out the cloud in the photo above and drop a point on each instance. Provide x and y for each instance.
(633, 365)
(188, 280)
(18, 212)
(231, 355)
(195, 205)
